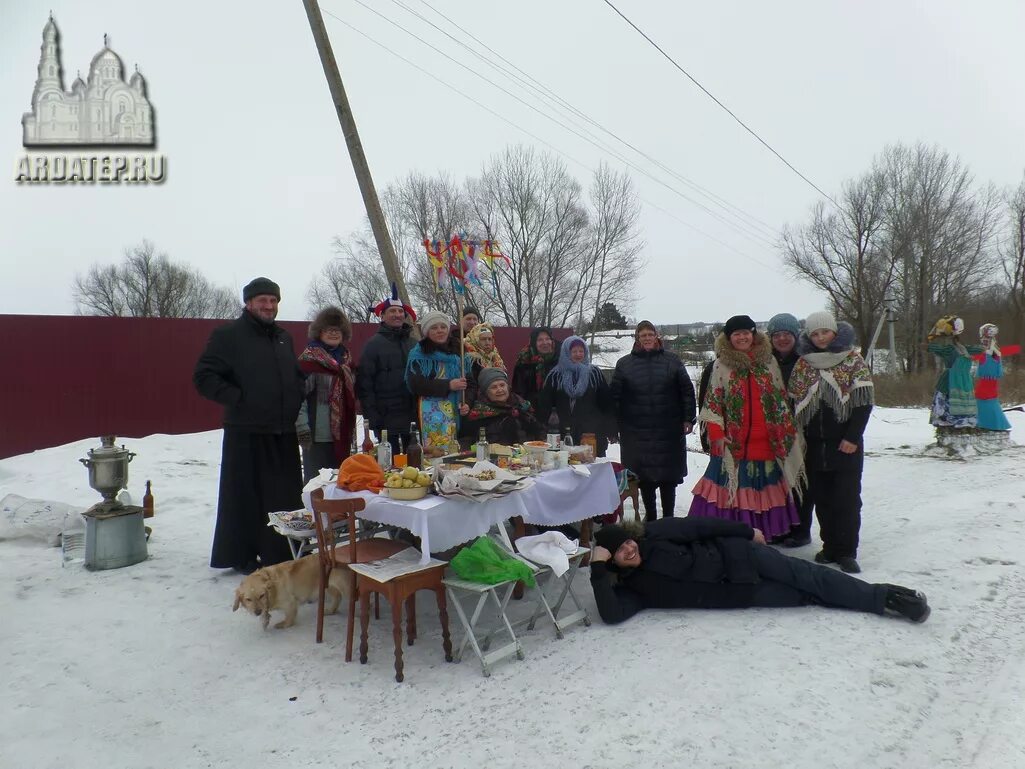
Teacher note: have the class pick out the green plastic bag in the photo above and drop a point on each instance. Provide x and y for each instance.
(484, 561)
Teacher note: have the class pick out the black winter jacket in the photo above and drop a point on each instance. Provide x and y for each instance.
(686, 563)
(593, 412)
(250, 368)
(514, 423)
(381, 380)
(823, 434)
(786, 365)
(653, 396)
(706, 377)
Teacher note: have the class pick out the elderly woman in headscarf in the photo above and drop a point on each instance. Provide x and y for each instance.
(504, 416)
(434, 373)
(479, 347)
(326, 424)
(581, 397)
(533, 363)
(757, 451)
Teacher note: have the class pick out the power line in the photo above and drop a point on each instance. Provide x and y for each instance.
(728, 111)
(532, 135)
(548, 93)
(754, 236)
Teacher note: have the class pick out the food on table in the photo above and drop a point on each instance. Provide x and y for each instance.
(536, 444)
(407, 478)
(483, 475)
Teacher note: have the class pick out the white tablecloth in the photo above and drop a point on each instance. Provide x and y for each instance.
(557, 497)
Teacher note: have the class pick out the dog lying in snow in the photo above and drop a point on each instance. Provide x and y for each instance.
(286, 585)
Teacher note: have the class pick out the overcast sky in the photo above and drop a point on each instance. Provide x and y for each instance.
(259, 181)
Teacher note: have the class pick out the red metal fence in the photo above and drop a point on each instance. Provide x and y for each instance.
(66, 378)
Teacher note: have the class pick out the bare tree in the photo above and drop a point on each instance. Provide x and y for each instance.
(1012, 253)
(843, 252)
(532, 206)
(150, 285)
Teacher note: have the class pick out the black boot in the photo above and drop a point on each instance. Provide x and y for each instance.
(848, 564)
(907, 602)
(822, 557)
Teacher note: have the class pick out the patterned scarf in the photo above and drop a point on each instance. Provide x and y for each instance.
(837, 376)
(341, 396)
(725, 406)
(471, 346)
(571, 377)
(485, 408)
(531, 358)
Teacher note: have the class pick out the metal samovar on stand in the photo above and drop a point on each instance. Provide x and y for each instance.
(115, 535)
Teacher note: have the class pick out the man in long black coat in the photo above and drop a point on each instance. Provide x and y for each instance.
(249, 367)
(712, 563)
(654, 400)
(381, 374)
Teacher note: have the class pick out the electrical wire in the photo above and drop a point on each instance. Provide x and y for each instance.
(760, 239)
(544, 91)
(532, 135)
(728, 111)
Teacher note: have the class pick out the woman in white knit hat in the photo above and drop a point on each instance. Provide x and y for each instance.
(832, 390)
(434, 373)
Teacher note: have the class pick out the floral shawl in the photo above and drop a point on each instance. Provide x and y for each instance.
(471, 347)
(724, 406)
(837, 376)
(340, 397)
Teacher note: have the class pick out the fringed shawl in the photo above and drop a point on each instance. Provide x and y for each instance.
(837, 376)
(571, 377)
(725, 406)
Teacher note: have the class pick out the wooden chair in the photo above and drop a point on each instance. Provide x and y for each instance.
(327, 513)
(398, 590)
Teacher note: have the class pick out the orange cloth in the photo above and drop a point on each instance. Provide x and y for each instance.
(361, 472)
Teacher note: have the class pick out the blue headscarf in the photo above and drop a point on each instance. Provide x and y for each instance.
(571, 377)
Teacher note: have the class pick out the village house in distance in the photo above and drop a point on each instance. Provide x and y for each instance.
(103, 110)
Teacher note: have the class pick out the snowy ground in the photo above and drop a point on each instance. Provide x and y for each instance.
(148, 667)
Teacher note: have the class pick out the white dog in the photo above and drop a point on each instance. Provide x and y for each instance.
(286, 585)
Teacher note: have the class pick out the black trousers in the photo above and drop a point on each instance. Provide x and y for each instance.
(259, 474)
(787, 581)
(836, 497)
(668, 493)
(805, 511)
(320, 454)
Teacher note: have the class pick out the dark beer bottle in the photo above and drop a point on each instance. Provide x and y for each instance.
(147, 502)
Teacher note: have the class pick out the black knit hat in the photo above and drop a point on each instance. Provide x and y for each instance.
(611, 537)
(258, 286)
(471, 310)
(739, 323)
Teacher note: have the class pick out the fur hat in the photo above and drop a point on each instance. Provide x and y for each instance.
(330, 317)
(611, 537)
(433, 318)
(645, 325)
(489, 376)
(739, 323)
(819, 320)
(259, 286)
(784, 321)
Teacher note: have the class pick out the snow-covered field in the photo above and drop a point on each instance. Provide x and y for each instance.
(147, 666)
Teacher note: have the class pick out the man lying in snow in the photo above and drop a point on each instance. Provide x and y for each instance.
(711, 563)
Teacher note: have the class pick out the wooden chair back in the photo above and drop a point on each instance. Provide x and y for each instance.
(327, 514)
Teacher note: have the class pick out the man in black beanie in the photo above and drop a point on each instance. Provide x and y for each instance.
(249, 367)
(471, 317)
(711, 563)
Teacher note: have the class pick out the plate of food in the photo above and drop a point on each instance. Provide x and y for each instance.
(407, 484)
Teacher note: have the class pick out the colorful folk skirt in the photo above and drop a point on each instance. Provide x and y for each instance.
(439, 422)
(943, 416)
(991, 415)
(763, 500)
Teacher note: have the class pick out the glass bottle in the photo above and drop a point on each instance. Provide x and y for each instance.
(384, 452)
(482, 446)
(147, 502)
(414, 451)
(368, 443)
(567, 438)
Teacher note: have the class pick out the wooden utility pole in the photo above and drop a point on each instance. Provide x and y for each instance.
(359, 160)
